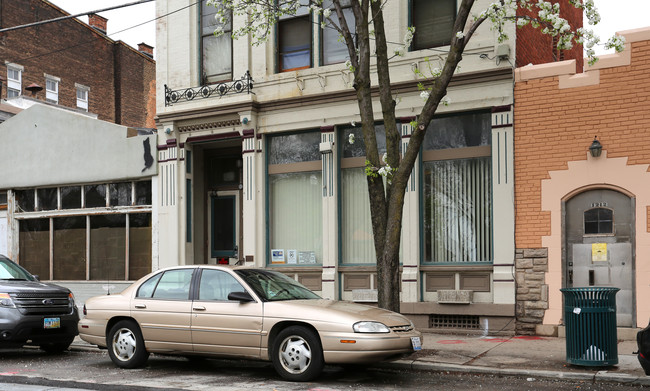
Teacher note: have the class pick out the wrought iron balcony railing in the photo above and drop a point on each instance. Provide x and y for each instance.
(241, 86)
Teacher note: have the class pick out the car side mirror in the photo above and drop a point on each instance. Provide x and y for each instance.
(242, 297)
(36, 277)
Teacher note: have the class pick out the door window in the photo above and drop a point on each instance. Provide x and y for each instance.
(217, 285)
(174, 285)
(599, 221)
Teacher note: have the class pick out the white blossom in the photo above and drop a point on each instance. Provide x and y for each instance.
(445, 101)
(424, 95)
(351, 136)
(384, 157)
(460, 35)
(327, 12)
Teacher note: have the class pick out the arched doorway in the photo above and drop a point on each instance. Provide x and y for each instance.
(599, 237)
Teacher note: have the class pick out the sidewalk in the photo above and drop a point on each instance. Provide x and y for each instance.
(523, 356)
(529, 356)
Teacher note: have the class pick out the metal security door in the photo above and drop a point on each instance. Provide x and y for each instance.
(599, 246)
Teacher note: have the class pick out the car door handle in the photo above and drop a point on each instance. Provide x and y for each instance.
(198, 308)
(140, 306)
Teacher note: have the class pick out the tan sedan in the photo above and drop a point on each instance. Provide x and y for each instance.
(242, 313)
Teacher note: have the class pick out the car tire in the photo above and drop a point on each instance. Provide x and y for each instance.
(297, 354)
(126, 345)
(57, 347)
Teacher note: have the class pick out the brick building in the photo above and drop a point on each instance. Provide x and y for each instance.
(76, 65)
(583, 219)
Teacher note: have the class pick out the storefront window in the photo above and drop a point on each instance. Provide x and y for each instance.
(295, 198)
(357, 240)
(56, 247)
(107, 247)
(35, 246)
(457, 194)
(70, 248)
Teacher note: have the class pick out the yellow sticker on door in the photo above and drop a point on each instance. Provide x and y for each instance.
(599, 252)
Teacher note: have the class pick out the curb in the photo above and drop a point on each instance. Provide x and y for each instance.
(600, 376)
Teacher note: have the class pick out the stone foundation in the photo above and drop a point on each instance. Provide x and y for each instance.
(532, 293)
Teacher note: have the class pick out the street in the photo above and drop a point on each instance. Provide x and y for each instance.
(30, 369)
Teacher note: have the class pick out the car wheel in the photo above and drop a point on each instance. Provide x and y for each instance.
(126, 345)
(57, 347)
(297, 354)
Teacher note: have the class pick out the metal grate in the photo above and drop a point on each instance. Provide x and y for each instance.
(470, 322)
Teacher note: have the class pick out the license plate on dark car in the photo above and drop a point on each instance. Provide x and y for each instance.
(52, 323)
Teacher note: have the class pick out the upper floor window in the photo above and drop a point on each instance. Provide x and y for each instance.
(294, 39)
(216, 60)
(52, 89)
(333, 45)
(82, 97)
(14, 81)
(433, 22)
(3, 200)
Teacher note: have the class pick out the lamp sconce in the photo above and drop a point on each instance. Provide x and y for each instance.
(168, 131)
(326, 147)
(595, 148)
(244, 120)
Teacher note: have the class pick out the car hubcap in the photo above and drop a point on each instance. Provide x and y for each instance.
(295, 354)
(124, 344)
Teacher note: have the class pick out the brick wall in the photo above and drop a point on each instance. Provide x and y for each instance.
(533, 47)
(555, 126)
(75, 53)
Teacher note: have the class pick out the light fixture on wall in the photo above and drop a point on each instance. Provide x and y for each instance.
(595, 148)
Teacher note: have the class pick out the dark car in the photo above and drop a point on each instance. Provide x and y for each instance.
(33, 312)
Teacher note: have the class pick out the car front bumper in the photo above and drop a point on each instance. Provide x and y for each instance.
(359, 348)
(17, 328)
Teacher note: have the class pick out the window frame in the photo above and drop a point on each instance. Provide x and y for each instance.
(52, 95)
(205, 79)
(411, 23)
(455, 154)
(278, 59)
(321, 38)
(82, 103)
(289, 168)
(14, 85)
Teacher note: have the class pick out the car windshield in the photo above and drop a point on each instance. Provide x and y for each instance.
(12, 271)
(274, 286)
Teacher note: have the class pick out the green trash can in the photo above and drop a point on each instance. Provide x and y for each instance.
(590, 321)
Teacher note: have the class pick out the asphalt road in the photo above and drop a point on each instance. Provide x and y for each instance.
(32, 370)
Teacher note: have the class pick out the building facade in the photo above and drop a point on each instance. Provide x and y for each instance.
(76, 205)
(255, 167)
(582, 219)
(76, 65)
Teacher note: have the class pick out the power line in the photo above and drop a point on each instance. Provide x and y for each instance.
(23, 26)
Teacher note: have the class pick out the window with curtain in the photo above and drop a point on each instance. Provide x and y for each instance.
(433, 22)
(356, 241)
(294, 39)
(216, 50)
(457, 194)
(333, 45)
(295, 199)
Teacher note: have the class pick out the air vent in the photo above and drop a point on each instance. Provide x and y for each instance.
(466, 322)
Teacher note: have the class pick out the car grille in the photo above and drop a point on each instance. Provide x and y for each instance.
(42, 303)
(402, 329)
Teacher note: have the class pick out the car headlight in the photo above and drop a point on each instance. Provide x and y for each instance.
(5, 300)
(370, 327)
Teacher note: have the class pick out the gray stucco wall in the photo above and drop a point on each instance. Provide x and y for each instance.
(44, 146)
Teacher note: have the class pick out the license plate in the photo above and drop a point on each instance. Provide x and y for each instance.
(417, 344)
(52, 323)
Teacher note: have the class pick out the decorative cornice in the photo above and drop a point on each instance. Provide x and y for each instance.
(209, 125)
